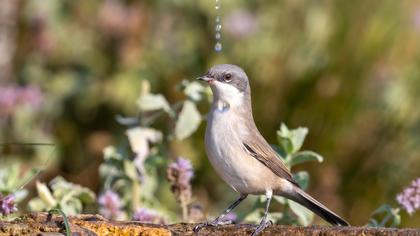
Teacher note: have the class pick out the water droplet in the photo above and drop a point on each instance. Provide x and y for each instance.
(218, 28)
(218, 47)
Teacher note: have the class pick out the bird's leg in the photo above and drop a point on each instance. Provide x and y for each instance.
(219, 219)
(264, 223)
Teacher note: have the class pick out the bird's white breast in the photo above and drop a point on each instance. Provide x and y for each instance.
(225, 150)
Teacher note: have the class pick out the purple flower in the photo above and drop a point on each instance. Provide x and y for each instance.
(115, 18)
(145, 215)
(232, 217)
(110, 205)
(410, 197)
(416, 20)
(179, 174)
(8, 99)
(31, 95)
(11, 96)
(184, 170)
(7, 205)
(241, 24)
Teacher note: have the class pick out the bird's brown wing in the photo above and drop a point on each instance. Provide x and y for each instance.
(261, 150)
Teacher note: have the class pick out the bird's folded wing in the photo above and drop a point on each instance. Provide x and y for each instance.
(261, 150)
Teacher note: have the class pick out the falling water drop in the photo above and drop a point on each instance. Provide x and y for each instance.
(217, 6)
(218, 28)
(218, 47)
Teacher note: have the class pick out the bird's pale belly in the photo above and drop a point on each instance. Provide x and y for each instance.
(225, 150)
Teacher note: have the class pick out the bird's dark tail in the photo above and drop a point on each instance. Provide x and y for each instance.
(304, 199)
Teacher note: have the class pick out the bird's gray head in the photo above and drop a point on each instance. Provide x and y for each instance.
(229, 83)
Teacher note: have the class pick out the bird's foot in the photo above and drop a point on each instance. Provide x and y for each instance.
(264, 224)
(212, 223)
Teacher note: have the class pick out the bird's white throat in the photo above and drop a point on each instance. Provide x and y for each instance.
(222, 106)
(226, 95)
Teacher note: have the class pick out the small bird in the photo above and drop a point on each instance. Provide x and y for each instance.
(239, 153)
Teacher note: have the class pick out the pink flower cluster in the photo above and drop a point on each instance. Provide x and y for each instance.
(11, 96)
(179, 174)
(410, 197)
(145, 215)
(110, 205)
(182, 171)
(7, 205)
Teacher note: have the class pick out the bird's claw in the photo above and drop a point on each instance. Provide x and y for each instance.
(264, 224)
(199, 226)
(212, 223)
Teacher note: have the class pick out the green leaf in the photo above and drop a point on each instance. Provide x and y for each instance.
(140, 139)
(110, 153)
(36, 204)
(396, 220)
(152, 102)
(302, 178)
(254, 216)
(284, 140)
(194, 90)
(286, 144)
(373, 223)
(188, 121)
(304, 215)
(284, 130)
(20, 195)
(130, 170)
(298, 137)
(71, 206)
(276, 216)
(45, 195)
(385, 208)
(305, 156)
(60, 187)
(150, 185)
(70, 196)
(279, 150)
(390, 217)
(291, 140)
(280, 199)
(13, 176)
(87, 197)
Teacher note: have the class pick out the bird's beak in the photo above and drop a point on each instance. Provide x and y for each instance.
(205, 79)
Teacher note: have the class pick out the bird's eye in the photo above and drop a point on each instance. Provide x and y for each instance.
(227, 77)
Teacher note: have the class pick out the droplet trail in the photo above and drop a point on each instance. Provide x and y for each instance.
(218, 47)
(218, 28)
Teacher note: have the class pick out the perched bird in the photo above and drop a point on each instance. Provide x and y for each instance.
(240, 154)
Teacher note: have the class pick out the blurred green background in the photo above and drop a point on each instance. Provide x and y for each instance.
(347, 70)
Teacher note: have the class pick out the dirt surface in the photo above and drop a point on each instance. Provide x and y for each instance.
(52, 225)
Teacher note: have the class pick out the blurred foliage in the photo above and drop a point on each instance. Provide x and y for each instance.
(347, 70)
(290, 142)
(68, 197)
(12, 184)
(390, 217)
(138, 180)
